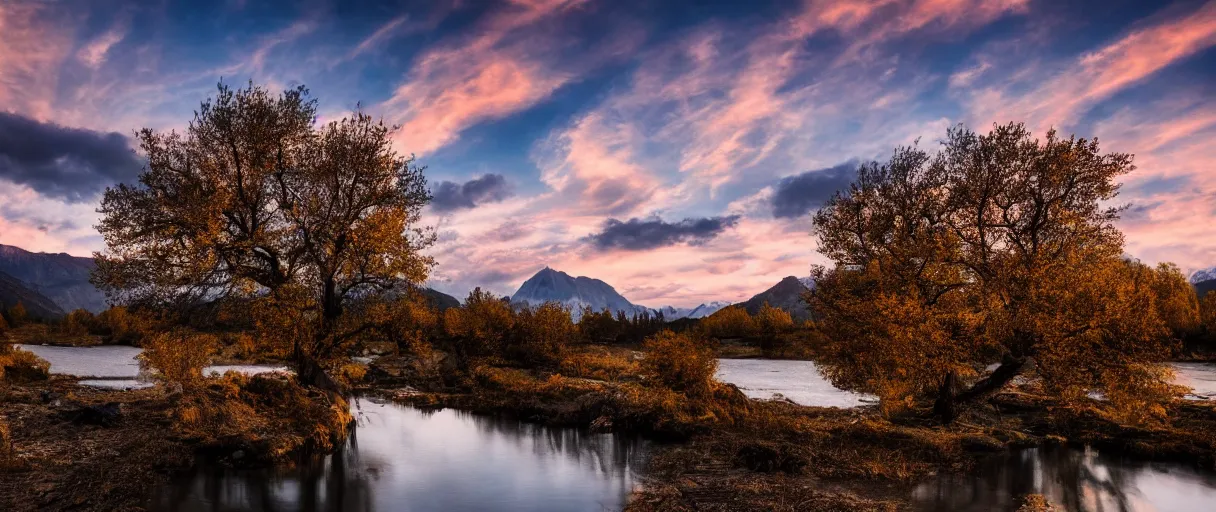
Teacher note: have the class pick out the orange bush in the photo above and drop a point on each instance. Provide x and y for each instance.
(681, 363)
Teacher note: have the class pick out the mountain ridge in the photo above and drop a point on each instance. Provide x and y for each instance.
(61, 277)
(37, 305)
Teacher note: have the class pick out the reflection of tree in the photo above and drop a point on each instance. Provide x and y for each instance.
(331, 483)
(1071, 479)
(347, 479)
(612, 455)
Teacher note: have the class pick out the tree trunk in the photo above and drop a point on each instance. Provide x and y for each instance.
(944, 407)
(947, 404)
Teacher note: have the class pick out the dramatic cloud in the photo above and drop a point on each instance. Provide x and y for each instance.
(487, 76)
(490, 188)
(638, 234)
(68, 163)
(798, 195)
(1068, 91)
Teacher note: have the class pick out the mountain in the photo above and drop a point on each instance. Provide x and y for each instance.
(1207, 274)
(786, 295)
(37, 305)
(1204, 281)
(61, 277)
(701, 311)
(573, 292)
(441, 300)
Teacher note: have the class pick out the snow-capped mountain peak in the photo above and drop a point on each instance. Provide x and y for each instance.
(549, 285)
(1202, 275)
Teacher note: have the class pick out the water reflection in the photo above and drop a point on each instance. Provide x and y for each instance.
(401, 458)
(1075, 480)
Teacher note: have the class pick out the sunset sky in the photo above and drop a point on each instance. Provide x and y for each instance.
(673, 151)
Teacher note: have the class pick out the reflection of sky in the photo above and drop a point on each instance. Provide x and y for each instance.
(406, 459)
(449, 460)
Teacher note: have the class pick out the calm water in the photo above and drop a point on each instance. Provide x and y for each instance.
(405, 459)
(1076, 480)
(116, 366)
(798, 381)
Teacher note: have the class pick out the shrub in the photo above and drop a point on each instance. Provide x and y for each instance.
(179, 356)
(541, 334)
(270, 414)
(681, 363)
(21, 366)
(350, 374)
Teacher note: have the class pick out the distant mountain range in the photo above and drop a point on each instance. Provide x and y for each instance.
(37, 305)
(1204, 281)
(786, 295)
(579, 292)
(61, 277)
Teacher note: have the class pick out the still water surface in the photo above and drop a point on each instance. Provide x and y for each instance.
(798, 381)
(405, 459)
(116, 366)
(1072, 479)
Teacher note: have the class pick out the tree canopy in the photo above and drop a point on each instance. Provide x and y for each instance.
(999, 248)
(255, 200)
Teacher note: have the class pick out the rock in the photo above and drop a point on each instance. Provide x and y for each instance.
(50, 397)
(106, 415)
(601, 424)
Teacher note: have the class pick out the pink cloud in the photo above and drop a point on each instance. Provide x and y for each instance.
(499, 71)
(1068, 90)
(31, 50)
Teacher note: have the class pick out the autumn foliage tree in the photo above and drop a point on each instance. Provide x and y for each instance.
(999, 248)
(255, 201)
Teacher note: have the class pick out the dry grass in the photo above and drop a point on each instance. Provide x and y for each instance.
(611, 364)
(179, 356)
(21, 366)
(269, 417)
(66, 466)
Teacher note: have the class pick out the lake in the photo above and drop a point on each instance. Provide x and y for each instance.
(400, 458)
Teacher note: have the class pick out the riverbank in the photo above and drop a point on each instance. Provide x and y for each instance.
(79, 448)
(740, 454)
(71, 463)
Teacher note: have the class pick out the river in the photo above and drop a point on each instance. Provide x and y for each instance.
(402, 458)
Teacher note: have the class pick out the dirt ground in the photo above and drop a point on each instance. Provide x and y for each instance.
(70, 465)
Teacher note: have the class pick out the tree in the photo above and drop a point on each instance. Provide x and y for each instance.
(999, 248)
(17, 315)
(1177, 302)
(541, 334)
(481, 327)
(255, 201)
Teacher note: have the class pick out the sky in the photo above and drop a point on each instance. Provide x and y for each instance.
(674, 150)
